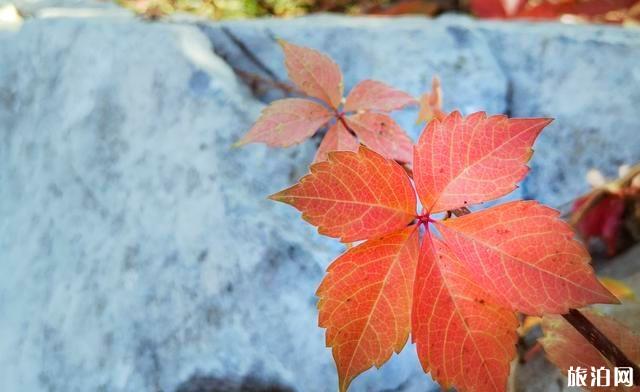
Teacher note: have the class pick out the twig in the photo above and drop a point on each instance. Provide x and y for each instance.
(247, 52)
(460, 211)
(345, 125)
(602, 343)
(253, 79)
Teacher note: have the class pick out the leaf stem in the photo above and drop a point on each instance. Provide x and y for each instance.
(601, 342)
(340, 117)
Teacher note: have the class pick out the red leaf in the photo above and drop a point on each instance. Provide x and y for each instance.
(608, 11)
(566, 347)
(373, 95)
(522, 254)
(314, 73)
(461, 337)
(336, 139)
(603, 220)
(517, 256)
(496, 8)
(462, 161)
(286, 122)
(354, 196)
(383, 135)
(365, 302)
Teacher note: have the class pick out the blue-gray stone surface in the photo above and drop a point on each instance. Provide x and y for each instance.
(137, 249)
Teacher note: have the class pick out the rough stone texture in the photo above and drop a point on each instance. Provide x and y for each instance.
(586, 77)
(71, 7)
(138, 252)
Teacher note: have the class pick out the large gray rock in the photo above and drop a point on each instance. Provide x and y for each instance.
(139, 252)
(137, 249)
(586, 77)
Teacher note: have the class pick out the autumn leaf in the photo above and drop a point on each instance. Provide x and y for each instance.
(290, 121)
(382, 134)
(365, 302)
(461, 336)
(373, 95)
(600, 11)
(431, 103)
(566, 347)
(525, 256)
(313, 73)
(354, 196)
(286, 122)
(603, 220)
(336, 139)
(473, 272)
(463, 161)
(496, 8)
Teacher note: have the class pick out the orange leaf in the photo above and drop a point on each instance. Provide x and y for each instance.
(365, 302)
(431, 103)
(286, 122)
(603, 220)
(566, 347)
(379, 132)
(314, 73)
(336, 139)
(461, 161)
(354, 196)
(373, 95)
(462, 338)
(525, 256)
(517, 256)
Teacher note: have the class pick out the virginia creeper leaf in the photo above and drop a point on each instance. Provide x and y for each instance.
(336, 139)
(462, 338)
(604, 220)
(365, 302)
(461, 161)
(314, 73)
(566, 347)
(431, 103)
(525, 256)
(488, 264)
(354, 196)
(286, 122)
(380, 133)
(374, 95)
